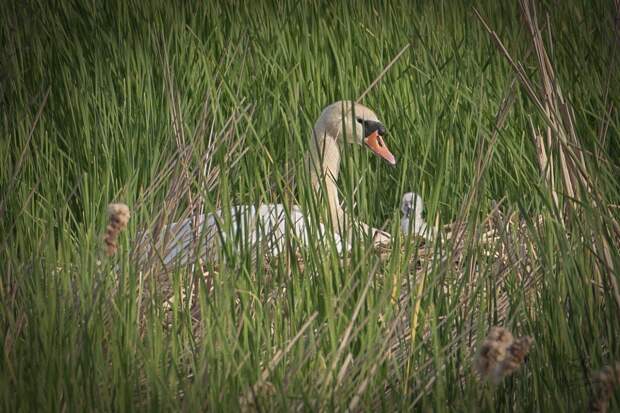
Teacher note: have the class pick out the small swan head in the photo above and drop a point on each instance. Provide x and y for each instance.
(412, 208)
(350, 122)
(412, 204)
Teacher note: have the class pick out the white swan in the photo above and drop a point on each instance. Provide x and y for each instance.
(339, 123)
(344, 122)
(241, 228)
(412, 221)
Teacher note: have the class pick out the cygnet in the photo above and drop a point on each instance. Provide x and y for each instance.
(412, 220)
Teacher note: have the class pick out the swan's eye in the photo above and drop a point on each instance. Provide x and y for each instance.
(360, 121)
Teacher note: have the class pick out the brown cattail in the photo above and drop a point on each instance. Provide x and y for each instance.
(118, 217)
(493, 350)
(604, 382)
(500, 354)
(515, 355)
(249, 401)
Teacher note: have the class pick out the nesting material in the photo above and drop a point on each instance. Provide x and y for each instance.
(604, 382)
(118, 217)
(501, 354)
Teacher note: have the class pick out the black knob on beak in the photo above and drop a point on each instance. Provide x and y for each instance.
(372, 126)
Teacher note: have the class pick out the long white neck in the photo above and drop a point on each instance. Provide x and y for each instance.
(324, 163)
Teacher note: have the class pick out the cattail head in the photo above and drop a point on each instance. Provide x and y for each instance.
(501, 354)
(501, 336)
(515, 356)
(604, 382)
(118, 217)
(493, 350)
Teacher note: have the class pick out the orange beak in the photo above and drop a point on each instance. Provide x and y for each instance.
(374, 141)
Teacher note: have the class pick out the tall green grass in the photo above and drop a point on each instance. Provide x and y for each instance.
(100, 100)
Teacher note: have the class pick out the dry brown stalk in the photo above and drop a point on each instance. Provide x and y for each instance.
(383, 72)
(561, 153)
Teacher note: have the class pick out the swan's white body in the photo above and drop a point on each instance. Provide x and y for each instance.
(340, 123)
(268, 229)
(412, 220)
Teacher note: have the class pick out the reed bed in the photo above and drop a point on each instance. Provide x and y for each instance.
(503, 116)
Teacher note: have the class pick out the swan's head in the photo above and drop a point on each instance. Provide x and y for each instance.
(412, 204)
(349, 122)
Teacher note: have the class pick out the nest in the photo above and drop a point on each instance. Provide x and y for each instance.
(482, 255)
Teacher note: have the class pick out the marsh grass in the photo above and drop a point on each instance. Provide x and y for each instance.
(504, 118)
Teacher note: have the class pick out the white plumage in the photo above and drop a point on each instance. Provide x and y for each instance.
(412, 207)
(268, 229)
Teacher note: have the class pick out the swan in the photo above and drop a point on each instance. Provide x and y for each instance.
(340, 123)
(412, 221)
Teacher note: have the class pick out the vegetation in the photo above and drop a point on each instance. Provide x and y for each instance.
(504, 117)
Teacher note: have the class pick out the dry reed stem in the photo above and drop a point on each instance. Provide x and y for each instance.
(561, 135)
(383, 72)
(562, 150)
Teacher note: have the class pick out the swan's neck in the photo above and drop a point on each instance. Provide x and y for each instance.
(324, 170)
